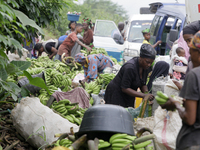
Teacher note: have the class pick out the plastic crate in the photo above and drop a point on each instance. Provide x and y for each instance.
(73, 17)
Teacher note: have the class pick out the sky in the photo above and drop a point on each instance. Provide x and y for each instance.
(133, 6)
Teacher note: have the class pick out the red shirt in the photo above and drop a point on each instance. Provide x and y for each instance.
(68, 44)
(88, 37)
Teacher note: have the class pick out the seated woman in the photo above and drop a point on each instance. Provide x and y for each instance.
(88, 33)
(93, 64)
(122, 90)
(189, 135)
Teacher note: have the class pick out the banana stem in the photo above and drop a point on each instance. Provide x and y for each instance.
(143, 139)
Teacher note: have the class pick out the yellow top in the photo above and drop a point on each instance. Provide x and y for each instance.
(86, 65)
(146, 42)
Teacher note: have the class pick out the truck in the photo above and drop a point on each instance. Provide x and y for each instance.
(165, 24)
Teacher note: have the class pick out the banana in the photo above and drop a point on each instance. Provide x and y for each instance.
(64, 113)
(121, 141)
(69, 118)
(117, 136)
(103, 145)
(143, 144)
(130, 137)
(58, 106)
(160, 100)
(120, 145)
(61, 109)
(162, 95)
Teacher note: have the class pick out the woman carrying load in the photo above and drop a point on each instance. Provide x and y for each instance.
(88, 33)
(189, 135)
(93, 64)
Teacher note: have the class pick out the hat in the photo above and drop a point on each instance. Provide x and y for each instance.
(195, 42)
(146, 30)
(147, 51)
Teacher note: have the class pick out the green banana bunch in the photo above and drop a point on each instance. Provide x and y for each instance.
(142, 145)
(118, 141)
(107, 77)
(92, 87)
(103, 144)
(161, 98)
(71, 112)
(65, 143)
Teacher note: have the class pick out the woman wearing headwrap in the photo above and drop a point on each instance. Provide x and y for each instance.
(122, 90)
(93, 64)
(189, 135)
(88, 33)
(188, 33)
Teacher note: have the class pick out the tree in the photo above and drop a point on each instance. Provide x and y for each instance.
(14, 27)
(95, 9)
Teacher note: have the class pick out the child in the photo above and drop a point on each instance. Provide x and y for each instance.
(179, 64)
(147, 36)
(69, 43)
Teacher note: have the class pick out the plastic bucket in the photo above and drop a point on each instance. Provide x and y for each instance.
(24, 82)
(73, 17)
(102, 121)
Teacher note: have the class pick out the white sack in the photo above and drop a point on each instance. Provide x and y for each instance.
(30, 115)
(167, 126)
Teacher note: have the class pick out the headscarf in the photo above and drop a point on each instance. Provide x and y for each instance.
(192, 28)
(79, 57)
(195, 42)
(183, 44)
(146, 30)
(147, 51)
(87, 20)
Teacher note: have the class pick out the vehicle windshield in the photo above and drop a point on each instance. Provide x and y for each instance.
(135, 33)
(105, 28)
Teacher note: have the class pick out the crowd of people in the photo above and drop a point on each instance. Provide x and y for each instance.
(139, 72)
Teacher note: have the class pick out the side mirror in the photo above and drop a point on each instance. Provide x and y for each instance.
(173, 35)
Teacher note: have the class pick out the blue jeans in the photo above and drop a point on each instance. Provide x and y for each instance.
(57, 57)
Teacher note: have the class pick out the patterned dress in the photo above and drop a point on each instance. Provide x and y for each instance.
(96, 63)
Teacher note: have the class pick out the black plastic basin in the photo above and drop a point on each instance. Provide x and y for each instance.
(102, 121)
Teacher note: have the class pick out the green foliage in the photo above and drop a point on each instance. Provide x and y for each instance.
(20, 19)
(39, 82)
(95, 9)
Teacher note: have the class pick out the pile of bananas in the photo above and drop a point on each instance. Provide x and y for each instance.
(107, 77)
(72, 112)
(95, 51)
(119, 141)
(92, 87)
(161, 98)
(63, 142)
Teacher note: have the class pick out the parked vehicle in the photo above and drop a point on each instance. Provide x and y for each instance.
(134, 36)
(103, 37)
(169, 20)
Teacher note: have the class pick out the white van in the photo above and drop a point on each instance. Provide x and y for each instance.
(134, 36)
(103, 38)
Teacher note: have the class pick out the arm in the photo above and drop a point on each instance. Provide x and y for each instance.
(157, 43)
(54, 52)
(133, 93)
(187, 114)
(144, 89)
(87, 47)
